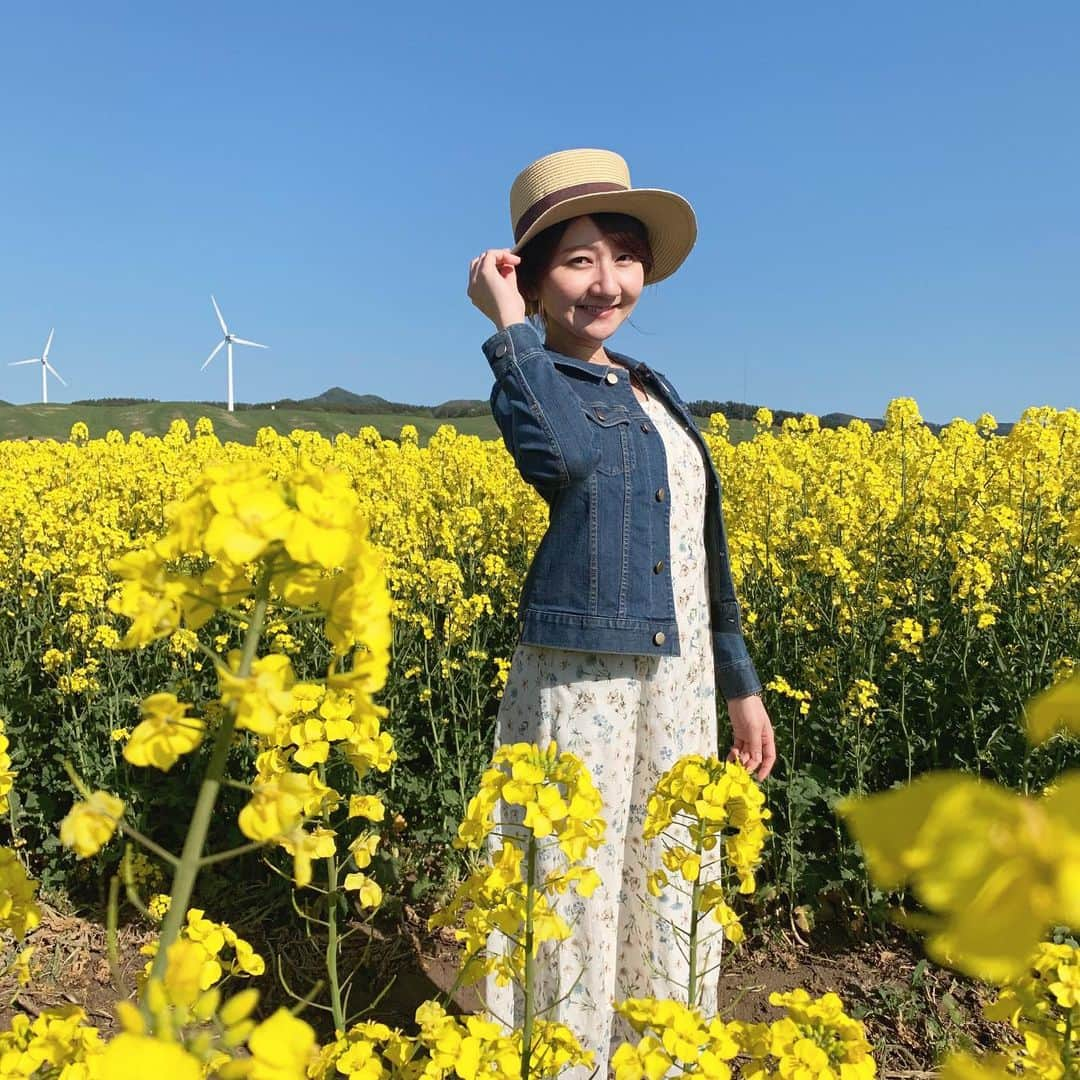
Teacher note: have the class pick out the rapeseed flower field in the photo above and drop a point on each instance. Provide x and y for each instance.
(296, 648)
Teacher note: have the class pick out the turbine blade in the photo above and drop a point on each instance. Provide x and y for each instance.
(55, 372)
(19, 363)
(45, 354)
(220, 317)
(217, 349)
(254, 344)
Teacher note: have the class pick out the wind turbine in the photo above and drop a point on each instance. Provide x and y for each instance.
(46, 367)
(228, 341)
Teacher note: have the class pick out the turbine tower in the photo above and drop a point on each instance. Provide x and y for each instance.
(228, 341)
(46, 367)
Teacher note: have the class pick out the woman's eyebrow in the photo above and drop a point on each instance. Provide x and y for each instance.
(577, 247)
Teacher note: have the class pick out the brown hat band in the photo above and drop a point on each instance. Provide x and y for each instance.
(541, 206)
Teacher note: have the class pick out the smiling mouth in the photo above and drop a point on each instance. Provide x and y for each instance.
(598, 310)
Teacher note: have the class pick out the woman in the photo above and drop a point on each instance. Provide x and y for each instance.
(628, 618)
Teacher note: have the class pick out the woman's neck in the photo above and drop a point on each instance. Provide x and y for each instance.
(588, 351)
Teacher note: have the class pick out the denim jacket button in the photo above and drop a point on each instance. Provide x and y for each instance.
(660, 494)
(658, 567)
(658, 637)
(611, 378)
(645, 428)
(500, 351)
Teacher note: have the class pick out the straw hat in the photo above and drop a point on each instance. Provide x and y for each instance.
(570, 183)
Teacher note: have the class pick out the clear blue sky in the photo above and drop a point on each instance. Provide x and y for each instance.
(888, 195)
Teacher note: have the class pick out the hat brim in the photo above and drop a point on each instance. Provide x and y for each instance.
(668, 218)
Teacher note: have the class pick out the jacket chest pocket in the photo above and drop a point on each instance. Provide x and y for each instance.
(612, 434)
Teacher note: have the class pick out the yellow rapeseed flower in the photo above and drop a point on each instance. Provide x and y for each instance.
(166, 732)
(19, 911)
(1056, 709)
(90, 825)
(996, 868)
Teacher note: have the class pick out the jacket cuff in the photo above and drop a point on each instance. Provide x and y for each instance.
(735, 672)
(515, 343)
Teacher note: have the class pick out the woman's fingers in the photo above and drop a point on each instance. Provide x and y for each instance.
(768, 751)
(739, 753)
(752, 759)
(757, 754)
(475, 268)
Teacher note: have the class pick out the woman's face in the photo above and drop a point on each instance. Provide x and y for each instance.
(589, 289)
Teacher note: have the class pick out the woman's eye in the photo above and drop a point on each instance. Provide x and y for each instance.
(584, 259)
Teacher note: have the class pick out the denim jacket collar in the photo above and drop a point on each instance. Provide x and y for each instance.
(598, 371)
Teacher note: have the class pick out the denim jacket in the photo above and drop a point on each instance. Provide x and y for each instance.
(600, 579)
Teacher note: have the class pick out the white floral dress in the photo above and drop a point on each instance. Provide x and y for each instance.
(629, 718)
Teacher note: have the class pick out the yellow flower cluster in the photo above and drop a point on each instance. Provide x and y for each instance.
(300, 544)
(90, 824)
(304, 721)
(212, 943)
(164, 734)
(308, 532)
(447, 1048)
(816, 1040)
(861, 701)
(57, 1042)
(711, 799)
(908, 635)
(453, 522)
(140, 871)
(1055, 710)
(996, 868)
(458, 526)
(1043, 1006)
(778, 684)
(7, 777)
(19, 911)
(158, 906)
(187, 1030)
(680, 1038)
(554, 791)
(550, 796)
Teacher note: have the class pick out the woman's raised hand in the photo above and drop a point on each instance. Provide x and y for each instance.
(493, 287)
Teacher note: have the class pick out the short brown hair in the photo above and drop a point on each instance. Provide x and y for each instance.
(621, 230)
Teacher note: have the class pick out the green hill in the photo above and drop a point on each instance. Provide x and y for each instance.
(154, 418)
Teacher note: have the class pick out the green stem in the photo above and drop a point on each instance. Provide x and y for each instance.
(111, 919)
(695, 914)
(332, 943)
(230, 853)
(530, 963)
(157, 849)
(903, 719)
(1068, 1065)
(191, 857)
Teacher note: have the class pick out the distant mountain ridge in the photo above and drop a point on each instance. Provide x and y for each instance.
(338, 399)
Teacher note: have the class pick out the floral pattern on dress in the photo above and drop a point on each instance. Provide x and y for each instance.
(629, 718)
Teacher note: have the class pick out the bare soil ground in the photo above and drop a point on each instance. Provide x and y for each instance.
(912, 1011)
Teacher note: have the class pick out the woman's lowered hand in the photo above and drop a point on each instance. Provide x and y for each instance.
(752, 744)
(493, 287)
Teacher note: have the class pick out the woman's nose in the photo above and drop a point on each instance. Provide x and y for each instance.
(605, 283)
